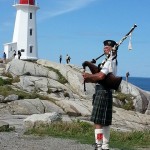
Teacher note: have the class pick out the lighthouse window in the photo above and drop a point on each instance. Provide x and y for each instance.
(30, 31)
(31, 49)
(22, 50)
(30, 15)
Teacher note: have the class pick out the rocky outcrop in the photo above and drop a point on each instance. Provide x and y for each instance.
(37, 120)
(4, 126)
(63, 87)
(141, 98)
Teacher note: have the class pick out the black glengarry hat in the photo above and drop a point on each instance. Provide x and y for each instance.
(109, 43)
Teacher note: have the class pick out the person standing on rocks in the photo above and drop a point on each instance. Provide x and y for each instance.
(127, 76)
(67, 58)
(102, 99)
(19, 54)
(14, 54)
(4, 57)
(60, 58)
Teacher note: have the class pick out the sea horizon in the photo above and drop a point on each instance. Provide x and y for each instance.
(141, 82)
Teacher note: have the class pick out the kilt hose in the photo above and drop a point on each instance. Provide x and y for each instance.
(102, 106)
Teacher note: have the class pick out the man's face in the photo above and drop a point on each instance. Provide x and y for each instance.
(107, 49)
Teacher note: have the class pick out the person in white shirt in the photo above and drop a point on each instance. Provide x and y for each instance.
(102, 99)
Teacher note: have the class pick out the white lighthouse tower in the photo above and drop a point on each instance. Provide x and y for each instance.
(25, 32)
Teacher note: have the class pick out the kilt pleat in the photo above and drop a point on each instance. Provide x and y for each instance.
(102, 107)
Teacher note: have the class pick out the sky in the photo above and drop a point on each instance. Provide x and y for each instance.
(79, 27)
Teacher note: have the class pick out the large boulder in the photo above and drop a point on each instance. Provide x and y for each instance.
(141, 98)
(36, 120)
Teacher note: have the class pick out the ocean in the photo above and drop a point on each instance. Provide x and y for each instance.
(141, 82)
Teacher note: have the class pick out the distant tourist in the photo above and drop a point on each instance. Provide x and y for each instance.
(127, 75)
(60, 59)
(14, 54)
(67, 58)
(19, 54)
(4, 57)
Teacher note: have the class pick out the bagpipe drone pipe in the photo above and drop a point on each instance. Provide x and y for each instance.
(110, 81)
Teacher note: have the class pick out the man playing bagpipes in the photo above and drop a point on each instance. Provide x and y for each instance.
(102, 99)
(106, 80)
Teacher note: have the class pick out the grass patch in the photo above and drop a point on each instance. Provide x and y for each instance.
(127, 100)
(80, 131)
(7, 74)
(5, 81)
(6, 129)
(130, 140)
(16, 79)
(61, 79)
(7, 90)
(84, 133)
(9, 81)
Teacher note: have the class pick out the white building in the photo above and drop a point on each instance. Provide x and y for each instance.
(25, 31)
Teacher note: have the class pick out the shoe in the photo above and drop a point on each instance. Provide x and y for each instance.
(97, 146)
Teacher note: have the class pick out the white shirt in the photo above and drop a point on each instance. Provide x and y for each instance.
(110, 66)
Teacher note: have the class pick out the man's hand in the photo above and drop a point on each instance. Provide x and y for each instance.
(85, 64)
(86, 77)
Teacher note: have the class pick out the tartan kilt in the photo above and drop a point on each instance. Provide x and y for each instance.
(102, 106)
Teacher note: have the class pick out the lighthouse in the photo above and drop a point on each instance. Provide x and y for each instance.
(25, 32)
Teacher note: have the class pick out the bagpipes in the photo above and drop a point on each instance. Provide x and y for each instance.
(110, 81)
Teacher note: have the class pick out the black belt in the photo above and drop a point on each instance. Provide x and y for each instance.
(100, 87)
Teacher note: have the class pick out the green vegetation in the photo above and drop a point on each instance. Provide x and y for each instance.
(130, 140)
(7, 90)
(83, 133)
(7, 74)
(126, 99)
(5, 82)
(62, 79)
(77, 130)
(6, 128)
(9, 81)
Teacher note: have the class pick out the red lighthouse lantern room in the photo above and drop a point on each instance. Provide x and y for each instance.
(30, 2)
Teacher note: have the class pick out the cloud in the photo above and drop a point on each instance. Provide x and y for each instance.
(60, 7)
